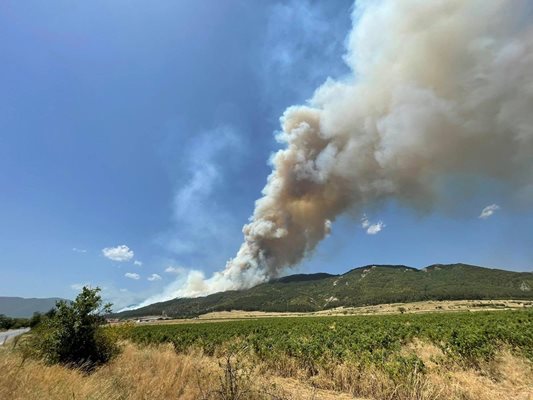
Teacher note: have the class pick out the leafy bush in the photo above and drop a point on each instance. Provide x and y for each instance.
(35, 320)
(73, 335)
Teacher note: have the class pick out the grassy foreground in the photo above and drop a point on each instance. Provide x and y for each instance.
(154, 372)
(483, 355)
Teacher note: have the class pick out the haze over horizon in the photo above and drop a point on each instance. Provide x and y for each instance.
(134, 142)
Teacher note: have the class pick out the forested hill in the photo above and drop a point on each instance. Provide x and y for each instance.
(372, 284)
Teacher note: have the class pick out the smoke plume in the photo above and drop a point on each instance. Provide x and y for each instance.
(439, 88)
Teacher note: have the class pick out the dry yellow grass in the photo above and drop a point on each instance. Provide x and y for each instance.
(507, 377)
(135, 374)
(160, 373)
(144, 373)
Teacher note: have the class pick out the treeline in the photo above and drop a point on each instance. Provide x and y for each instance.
(16, 323)
(12, 323)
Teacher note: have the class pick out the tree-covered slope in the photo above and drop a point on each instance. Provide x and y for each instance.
(373, 284)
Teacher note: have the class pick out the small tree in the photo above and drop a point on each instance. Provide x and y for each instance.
(35, 320)
(5, 322)
(72, 334)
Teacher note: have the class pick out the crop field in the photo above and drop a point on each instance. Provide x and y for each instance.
(467, 337)
(412, 356)
(319, 345)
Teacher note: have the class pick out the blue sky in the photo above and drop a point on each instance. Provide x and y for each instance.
(151, 126)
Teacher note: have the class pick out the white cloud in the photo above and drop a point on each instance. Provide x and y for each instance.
(76, 250)
(138, 263)
(132, 275)
(154, 277)
(119, 253)
(375, 228)
(175, 270)
(78, 286)
(488, 211)
(371, 229)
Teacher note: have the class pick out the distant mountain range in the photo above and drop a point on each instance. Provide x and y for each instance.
(19, 307)
(372, 284)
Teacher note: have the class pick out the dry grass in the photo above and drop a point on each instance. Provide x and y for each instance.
(507, 377)
(160, 373)
(146, 373)
(135, 374)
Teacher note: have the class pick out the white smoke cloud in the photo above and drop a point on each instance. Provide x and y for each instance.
(199, 219)
(308, 42)
(439, 88)
(191, 284)
(122, 298)
(489, 211)
(120, 253)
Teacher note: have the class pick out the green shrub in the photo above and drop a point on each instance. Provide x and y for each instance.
(73, 335)
(35, 320)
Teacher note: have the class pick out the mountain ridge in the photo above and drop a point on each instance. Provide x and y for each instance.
(22, 307)
(366, 285)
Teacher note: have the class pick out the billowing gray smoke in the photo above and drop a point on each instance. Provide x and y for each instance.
(439, 88)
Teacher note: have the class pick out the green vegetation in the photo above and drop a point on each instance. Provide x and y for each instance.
(13, 323)
(359, 287)
(16, 323)
(387, 356)
(469, 338)
(71, 334)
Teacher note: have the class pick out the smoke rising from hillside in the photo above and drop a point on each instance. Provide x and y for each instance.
(439, 88)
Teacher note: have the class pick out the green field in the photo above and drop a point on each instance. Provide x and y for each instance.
(318, 343)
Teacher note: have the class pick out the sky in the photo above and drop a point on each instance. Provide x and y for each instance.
(135, 138)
